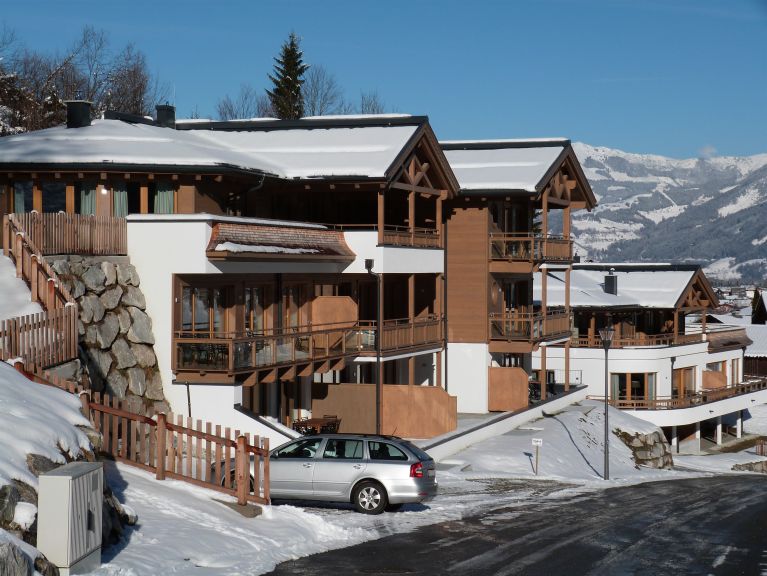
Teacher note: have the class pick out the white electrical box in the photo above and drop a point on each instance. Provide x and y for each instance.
(69, 508)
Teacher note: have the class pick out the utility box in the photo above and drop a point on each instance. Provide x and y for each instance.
(69, 509)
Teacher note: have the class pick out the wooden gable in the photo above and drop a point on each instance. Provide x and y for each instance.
(423, 168)
(697, 295)
(565, 184)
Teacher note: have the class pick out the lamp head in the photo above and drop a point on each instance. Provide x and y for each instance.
(369, 262)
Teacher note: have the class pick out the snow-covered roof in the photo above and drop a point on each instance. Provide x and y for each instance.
(640, 287)
(503, 164)
(355, 147)
(758, 335)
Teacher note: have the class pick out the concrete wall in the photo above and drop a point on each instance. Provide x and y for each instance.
(467, 365)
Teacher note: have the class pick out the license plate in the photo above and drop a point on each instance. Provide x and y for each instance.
(430, 473)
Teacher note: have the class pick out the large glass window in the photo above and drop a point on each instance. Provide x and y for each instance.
(632, 386)
(203, 311)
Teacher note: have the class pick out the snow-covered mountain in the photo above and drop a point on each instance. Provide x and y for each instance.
(711, 211)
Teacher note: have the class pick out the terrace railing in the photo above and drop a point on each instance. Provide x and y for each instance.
(63, 233)
(527, 248)
(237, 352)
(528, 326)
(639, 340)
(701, 397)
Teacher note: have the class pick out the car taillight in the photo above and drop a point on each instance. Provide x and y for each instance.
(416, 470)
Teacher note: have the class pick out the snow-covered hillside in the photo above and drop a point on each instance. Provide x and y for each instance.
(704, 210)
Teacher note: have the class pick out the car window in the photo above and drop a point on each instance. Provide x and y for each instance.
(385, 451)
(300, 449)
(339, 449)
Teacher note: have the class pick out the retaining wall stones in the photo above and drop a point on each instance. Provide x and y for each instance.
(649, 449)
(116, 339)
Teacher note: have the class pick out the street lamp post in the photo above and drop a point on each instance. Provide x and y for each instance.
(369, 262)
(607, 334)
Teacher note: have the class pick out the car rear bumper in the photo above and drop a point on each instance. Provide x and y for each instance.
(415, 491)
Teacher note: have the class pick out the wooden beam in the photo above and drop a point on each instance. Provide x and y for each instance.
(380, 217)
(70, 199)
(144, 199)
(421, 189)
(37, 196)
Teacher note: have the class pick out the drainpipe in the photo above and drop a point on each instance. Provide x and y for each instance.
(369, 262)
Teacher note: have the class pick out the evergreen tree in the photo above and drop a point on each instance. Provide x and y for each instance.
(286, 96)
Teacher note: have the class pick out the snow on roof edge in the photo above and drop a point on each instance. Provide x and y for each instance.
(205, 217)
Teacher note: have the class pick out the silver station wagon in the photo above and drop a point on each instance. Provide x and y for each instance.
(374, 473)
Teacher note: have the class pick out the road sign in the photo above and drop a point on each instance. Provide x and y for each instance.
(537, 441)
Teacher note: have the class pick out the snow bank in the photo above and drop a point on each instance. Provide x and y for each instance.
(16, 299)
(573, 447)
(36, 419)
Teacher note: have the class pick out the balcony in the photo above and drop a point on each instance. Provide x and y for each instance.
(517, 251)
(233, 353)
(639, 340)
(697, 399)
(411, 237)
(526, 327)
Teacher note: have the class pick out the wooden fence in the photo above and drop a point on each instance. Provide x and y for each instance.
(171, 446)
(48, 337)
(45, 338)
(63, 233)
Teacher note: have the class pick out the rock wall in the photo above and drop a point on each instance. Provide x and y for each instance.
(116, 339)
(649, 449)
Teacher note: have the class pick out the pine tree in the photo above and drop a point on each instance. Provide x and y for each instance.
(286, 96)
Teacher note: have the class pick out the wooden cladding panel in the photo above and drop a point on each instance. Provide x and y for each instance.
(467, 274)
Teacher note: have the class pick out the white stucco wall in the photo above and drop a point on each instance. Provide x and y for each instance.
(467, 367)
(389, 259)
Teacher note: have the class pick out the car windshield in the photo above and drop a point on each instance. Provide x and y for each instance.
(300, 449)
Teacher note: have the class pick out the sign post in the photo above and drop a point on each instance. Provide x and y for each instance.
(537, 442)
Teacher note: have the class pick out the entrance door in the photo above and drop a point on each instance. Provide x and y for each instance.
(683, 382)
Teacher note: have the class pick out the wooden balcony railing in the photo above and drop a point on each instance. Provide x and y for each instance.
(237, 353)
(639, 340)
(529, 327)
(411, 237)
(526, 248)
(61, 233)
(702, 397)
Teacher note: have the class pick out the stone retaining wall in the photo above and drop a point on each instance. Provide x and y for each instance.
(649, 449)
(116, 339)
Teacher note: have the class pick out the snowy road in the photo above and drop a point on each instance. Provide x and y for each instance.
(698, 526)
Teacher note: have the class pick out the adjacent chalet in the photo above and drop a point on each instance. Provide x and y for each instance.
(687, 378)
(287, 265)
(513, 195)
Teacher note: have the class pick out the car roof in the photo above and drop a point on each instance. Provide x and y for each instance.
(353, 435)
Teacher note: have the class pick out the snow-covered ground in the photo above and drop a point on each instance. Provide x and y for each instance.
(15, 300)
(183, 528)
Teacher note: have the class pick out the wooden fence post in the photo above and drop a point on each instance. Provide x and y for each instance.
(241, 462)
(161, 446)
(51, 296)
(265, 445)
(85, 401)
(19, 255)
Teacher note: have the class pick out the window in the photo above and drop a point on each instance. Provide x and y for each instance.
(300, 449)
(202, 311)
(54, 197)
(384, 451)
(255, 309)
(715, 366)
(22, 197)
(734, 371)
(85, 198)
(632, 386)
(343, 449)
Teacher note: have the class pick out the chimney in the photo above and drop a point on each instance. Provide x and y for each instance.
(78, 113)
(166, 115)
(611, 283)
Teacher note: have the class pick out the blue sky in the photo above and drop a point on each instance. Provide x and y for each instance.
(674, 77)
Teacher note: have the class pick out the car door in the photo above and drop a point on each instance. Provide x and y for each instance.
(341, 464)
(291, 468)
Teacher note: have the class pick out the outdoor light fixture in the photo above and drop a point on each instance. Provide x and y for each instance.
(606, 334)
(369, 263)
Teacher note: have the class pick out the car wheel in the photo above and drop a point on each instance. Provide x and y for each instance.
(369, 498)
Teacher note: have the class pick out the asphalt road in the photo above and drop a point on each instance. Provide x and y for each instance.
(702, 526)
